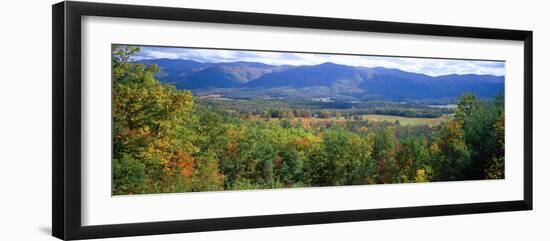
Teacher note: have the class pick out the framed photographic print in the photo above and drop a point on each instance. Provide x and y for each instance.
(170, 120)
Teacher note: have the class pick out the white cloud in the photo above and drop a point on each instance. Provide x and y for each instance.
(161, 55)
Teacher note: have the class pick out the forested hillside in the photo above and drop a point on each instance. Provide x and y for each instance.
(252, 80)
(166, 140)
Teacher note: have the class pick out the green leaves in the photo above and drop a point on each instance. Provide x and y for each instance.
(470, 146)
(450, 151)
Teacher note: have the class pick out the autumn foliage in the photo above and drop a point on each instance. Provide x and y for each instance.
(164, 141)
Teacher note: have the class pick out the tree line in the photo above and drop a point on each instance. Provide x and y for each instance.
(291, 108)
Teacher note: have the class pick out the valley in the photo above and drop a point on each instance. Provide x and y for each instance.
(323, 91)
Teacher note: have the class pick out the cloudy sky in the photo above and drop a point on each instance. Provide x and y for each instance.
(433, 67)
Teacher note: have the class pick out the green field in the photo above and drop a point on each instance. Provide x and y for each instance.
(405, 121)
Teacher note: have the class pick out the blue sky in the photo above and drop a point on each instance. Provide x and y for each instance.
(433, 67)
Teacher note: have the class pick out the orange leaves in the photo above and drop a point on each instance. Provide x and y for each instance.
(235, 136)
(301, 143)
(233, 149)
(180, 163)
(185, 164)
(277, 162)
(306, 122)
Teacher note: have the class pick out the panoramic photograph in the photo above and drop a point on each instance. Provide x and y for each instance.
(201, 119)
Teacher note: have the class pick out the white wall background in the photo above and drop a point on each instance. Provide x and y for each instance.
(25, 122)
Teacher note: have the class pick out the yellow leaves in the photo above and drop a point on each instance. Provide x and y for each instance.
(435, 147)
(235, 133)
(319, 137)
(421, 175)
(499, 129)
(451, 137)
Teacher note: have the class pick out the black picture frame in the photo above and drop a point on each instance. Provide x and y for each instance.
(66, 128)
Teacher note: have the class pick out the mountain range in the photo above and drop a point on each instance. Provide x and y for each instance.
(237, 79)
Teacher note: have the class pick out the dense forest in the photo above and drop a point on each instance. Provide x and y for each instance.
(302, 108)
(166, 140)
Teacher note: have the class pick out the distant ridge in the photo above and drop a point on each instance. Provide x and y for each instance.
(326, 79)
